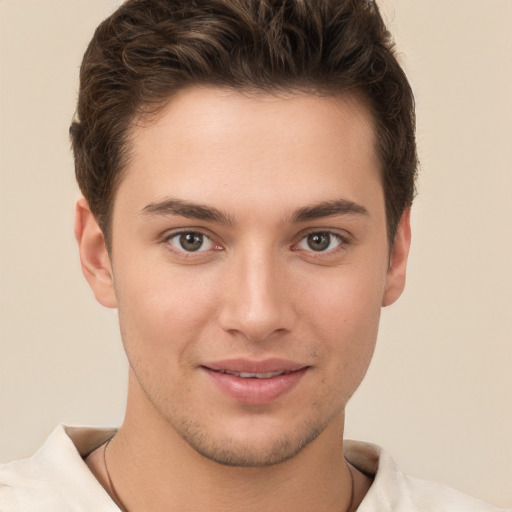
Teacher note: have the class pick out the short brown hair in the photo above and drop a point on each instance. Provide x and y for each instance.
(148, 49)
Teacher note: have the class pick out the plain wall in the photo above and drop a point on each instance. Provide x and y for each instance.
(438, 393)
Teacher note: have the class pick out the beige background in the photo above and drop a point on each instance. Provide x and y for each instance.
(438, 394)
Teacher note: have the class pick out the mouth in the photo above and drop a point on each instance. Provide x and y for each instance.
(255, 382)
(253, 375)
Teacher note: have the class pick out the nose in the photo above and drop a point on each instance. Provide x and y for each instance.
(256, 300)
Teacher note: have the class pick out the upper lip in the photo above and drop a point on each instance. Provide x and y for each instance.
(269, 365)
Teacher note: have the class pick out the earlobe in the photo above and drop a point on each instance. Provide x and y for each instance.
(395, 279)
(94, 257)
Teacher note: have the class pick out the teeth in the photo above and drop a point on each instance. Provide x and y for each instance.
(247, 375)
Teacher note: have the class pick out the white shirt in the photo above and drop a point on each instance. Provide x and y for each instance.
(56, 479)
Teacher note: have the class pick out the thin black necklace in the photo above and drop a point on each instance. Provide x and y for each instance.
(124, 509)
(352, 487)
(110, 484)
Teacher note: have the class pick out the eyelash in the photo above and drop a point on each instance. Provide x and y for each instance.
(181, 250)
(342, 243)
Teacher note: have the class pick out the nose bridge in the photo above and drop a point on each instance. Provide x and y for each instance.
(256, 302)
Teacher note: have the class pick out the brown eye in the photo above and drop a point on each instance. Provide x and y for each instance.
(190, 241)
(319, 241)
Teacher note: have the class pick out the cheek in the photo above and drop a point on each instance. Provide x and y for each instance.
(162, 313)
(346, 300)
(345, 315)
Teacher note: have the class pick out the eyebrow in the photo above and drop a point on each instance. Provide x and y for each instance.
(209, 213)
(188, 210)
(328, 209)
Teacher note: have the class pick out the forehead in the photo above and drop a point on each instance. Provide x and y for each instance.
(208, 113)
(253, 145)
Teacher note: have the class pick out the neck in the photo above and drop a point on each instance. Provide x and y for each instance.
(153, 469)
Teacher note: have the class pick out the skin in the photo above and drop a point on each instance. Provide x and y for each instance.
(255, 289)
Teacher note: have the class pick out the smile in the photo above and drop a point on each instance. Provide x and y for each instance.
(251, 375)
(255, 382)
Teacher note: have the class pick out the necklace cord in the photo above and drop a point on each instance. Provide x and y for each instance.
(124, 509)
(117, 499)
(352, 487)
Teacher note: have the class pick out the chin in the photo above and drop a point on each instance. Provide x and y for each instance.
(247, 449)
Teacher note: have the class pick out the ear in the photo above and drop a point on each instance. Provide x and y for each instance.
(94, 256)
(395, 279)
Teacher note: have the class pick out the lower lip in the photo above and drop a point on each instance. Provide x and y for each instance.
(256, 391)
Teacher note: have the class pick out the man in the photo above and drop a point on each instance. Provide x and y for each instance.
(247, 170)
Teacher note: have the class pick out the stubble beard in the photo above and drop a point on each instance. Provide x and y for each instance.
(243, 453)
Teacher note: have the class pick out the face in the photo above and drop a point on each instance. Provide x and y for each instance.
(249, 265)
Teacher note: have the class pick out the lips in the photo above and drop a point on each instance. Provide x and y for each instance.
(251, 375)
(255, 382)
(270, 365)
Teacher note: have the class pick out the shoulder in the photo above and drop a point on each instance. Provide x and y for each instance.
(392, 491)
(55, 478)
(437, 497)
